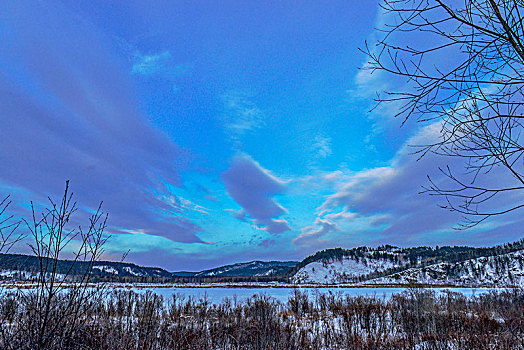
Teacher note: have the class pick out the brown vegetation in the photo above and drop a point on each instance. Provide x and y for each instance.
(416, 318)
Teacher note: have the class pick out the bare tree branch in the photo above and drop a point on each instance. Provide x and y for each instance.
(478, 100)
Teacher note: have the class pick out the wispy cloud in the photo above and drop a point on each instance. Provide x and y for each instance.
(266, 243)
(80, 122)
(238, 214)
(151, 64)
(315, 232)
(160, 65)
(253, 187)
(241, 115)
(322, 146)
(384, 205)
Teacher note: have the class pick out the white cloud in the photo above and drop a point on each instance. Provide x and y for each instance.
(384, 204)
(158, 64)
(150, 64)
(242, 115)
(322, 146)
(253, 188)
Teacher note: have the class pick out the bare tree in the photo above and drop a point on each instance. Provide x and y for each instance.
(9, 235)
(462, 66)
(61, 301)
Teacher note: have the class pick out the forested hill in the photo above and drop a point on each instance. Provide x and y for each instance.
(362, 264)
(413, 256)
(20, 266)
(252, 268)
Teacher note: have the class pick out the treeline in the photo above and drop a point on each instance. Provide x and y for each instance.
(454, 254)
(99, 270)
(117, 319)
(231, 279)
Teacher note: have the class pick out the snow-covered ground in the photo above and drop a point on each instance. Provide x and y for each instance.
(340, 271)
(498, 271)
(495, 271)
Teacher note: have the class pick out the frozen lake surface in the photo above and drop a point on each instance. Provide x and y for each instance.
(217, 294)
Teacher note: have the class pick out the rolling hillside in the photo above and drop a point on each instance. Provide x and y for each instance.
(387, 265)
(252, 268)
(501, 265)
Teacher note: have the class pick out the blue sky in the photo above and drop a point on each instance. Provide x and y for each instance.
(215, 132)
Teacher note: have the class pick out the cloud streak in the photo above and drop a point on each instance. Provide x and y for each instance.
(320, 228)
(385, 205)
(68, 113)
(253, 188)
(322, 146)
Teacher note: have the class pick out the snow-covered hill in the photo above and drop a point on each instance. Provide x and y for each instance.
(502, 270)
(347, 269)
(396, 266)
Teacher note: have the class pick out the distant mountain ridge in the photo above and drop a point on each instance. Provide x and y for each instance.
(501, 265)
(13, 265)
(252, 268)
(26, 267)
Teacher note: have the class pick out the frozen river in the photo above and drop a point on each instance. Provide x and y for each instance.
(217, 294)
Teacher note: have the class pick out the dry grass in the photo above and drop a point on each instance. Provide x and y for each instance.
(119, 319)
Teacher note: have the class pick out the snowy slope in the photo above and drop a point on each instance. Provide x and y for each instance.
(461, 266)
(340, 271)
(501, 270)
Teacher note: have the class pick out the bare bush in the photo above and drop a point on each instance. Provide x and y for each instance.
(9, 235)
(416, 318)
(55, 312)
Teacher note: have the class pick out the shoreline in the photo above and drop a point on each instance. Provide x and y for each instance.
(117, 285)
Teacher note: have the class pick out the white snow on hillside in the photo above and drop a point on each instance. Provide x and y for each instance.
(106, 268)
(267, 273)
(17, 274)
(340, 271)
(26, 275)
(500, 271)
(131, 271)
